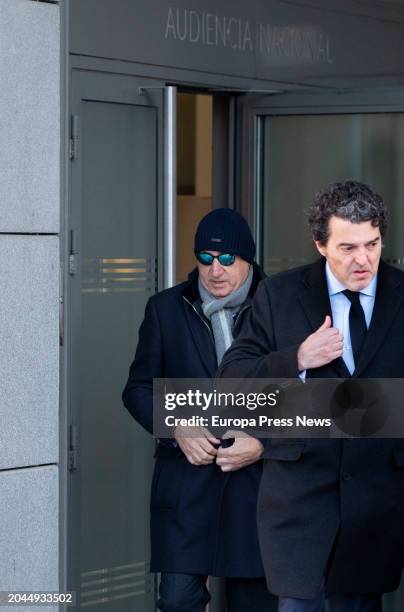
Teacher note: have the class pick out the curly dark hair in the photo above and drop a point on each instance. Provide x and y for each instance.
(350, 200)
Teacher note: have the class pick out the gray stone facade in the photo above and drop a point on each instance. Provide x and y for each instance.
(29, 296)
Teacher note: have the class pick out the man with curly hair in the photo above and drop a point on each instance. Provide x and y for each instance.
(331, 511)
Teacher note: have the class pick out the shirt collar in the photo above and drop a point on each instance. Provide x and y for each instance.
(335, 286)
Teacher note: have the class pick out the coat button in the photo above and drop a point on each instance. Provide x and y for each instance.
(346, 476)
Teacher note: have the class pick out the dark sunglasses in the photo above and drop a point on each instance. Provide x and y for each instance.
(225, 259)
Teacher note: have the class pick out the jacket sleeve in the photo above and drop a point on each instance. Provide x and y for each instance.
(148, 364)
(254, 352)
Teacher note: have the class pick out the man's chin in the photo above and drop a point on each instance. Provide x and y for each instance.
(219, 292)
(357, 284)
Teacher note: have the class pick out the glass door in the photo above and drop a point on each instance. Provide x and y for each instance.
(115, 265)
(295, 144)
(302, 154)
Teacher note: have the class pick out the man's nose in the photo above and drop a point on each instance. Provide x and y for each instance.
(361, 257)
(216, 269)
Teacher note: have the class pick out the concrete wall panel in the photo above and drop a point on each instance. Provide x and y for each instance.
(29, 536)
(29, 116)
(29, 355)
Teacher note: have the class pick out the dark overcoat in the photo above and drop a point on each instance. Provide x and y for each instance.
(203, 521)
(326, 507)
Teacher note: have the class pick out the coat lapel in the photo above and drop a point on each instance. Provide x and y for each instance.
(199, 335)
(315, 302)
(314, 299)
(387, 303)
(199, 329)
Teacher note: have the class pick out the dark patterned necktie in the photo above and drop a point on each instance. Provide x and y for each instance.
(357, 323)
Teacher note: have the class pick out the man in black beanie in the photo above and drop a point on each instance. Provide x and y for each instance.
(203, 498)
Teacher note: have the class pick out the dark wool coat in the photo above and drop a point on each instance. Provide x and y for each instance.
(326, 507)
(203, 521)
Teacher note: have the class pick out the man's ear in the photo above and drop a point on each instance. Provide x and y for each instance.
(320, 247)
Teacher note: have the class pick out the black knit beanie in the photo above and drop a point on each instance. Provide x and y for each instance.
(226, 231)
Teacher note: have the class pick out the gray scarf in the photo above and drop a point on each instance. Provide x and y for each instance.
(221, 311)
